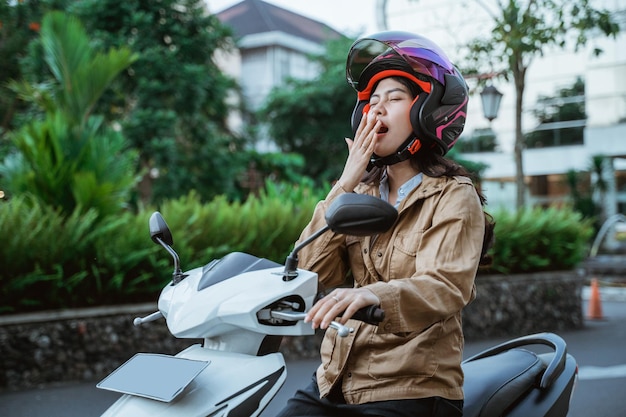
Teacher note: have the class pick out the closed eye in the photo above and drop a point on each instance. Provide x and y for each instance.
(397, 97)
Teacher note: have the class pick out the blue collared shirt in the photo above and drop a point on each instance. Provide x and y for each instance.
(403, 191)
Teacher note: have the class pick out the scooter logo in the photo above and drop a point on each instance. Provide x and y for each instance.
(256, 392)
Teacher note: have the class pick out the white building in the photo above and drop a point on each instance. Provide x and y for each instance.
(273, 44)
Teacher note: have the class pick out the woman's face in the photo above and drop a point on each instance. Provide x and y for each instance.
(390, 103)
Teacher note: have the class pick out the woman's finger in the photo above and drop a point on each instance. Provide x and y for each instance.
(364, 129)
(362, 125)
(319, 313)
(335, 309)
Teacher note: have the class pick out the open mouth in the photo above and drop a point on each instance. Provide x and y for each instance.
(383, 129)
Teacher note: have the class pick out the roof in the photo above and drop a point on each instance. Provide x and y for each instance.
(251, 17)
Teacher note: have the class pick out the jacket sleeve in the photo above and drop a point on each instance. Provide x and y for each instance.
(446, 262)
(327, 255)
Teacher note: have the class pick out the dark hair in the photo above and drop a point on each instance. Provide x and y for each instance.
(434, 165)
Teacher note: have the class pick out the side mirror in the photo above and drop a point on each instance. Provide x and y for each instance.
(360, 215)
(160, 233)
(159, 229)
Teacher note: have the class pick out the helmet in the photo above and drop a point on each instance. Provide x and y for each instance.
(438, 113)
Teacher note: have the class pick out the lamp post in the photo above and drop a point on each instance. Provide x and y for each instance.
(490, 97)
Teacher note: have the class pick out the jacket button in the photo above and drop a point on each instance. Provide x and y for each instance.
(364, 250)
(349, 374)
(380, 254)
(388, 326)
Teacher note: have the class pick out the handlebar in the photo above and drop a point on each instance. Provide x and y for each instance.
(371, 314)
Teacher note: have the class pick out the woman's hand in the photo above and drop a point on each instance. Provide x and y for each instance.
(341, 300)
(359, 152)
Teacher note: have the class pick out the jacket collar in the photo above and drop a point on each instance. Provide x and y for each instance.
(429, 187)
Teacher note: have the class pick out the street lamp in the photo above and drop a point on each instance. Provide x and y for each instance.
(490, 96)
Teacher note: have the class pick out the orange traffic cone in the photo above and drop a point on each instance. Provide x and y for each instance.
(594, 310)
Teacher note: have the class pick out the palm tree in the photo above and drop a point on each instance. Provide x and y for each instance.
(70, 158)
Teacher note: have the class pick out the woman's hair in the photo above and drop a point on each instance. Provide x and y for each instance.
(434, 165)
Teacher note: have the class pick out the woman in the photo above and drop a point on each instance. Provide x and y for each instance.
(410, 111)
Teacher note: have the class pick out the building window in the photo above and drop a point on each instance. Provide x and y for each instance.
(480, 140)
(561, 118)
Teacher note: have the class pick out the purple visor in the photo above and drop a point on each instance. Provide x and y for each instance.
(424, 56)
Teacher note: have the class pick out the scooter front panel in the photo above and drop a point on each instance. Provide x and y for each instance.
(234, 303)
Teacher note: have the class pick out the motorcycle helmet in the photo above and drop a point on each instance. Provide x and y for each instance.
(438, 112)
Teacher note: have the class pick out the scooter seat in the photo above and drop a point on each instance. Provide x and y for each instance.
(494, 383)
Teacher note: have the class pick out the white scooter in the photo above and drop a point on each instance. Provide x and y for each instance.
(242, 306)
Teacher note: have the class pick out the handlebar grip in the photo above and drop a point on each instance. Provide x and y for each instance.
(370, 314)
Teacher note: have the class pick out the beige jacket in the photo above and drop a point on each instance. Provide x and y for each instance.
(423, 272)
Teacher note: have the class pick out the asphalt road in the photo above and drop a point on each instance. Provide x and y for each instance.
(599, 349)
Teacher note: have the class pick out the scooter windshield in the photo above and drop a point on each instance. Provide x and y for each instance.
(233, 264)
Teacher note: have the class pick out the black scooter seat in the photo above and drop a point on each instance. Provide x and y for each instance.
(493, 384)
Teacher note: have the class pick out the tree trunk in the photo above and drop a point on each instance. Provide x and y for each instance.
(8, 116)
(144, 187)
(518, 76)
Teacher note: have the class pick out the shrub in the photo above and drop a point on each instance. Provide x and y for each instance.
(55, 260)
(266, 225)
(127, 266)
(536, 239)
(43, 255)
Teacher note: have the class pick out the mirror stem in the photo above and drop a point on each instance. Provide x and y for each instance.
(177, 275)
(291, 263)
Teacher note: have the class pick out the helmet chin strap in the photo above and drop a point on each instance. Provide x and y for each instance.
(408, 148)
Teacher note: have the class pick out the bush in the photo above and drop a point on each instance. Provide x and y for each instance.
(537, 239)
(266, 225)
(41, 258)
(58, 261)
(53, 260)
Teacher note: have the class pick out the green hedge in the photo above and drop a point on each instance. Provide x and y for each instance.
(50, 261)
(537, 239)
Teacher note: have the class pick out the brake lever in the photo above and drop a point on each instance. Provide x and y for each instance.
(342, 330)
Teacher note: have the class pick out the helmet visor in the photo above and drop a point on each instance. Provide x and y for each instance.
(424, 56)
